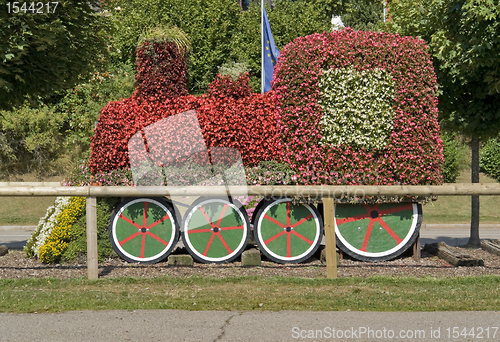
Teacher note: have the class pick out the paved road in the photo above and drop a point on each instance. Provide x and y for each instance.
(15, 237)
(179, 325)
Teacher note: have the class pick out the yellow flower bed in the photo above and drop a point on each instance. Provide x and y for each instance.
(57, 242)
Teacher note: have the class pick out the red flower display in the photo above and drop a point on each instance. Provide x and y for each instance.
(413, 153)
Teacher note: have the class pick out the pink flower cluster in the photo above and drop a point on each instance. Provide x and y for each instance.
(413, 153)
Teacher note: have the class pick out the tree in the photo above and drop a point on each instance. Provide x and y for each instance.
(464, 42)
(41, 53)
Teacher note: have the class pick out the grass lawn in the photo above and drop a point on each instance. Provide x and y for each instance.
(251, 293)
(25, 211)
(456, 209)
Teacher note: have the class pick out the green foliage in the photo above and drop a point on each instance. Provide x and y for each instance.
(464, 42)
(363, 15)
(288, 20)
(78, 244)
(489, 161)
(234, 69)
(160, 34)
(209, 24)
(451, 157)
(357, 107)
(219, 31)
(29, 137)
(82, 105)
(34, 136)
(271, 173)
(45, 52)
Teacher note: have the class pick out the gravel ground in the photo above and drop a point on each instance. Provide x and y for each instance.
(16, 265)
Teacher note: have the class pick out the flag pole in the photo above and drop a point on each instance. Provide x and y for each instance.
(263, 75)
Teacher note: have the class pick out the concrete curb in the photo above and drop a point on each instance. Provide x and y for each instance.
(457, 226)
(25, 228)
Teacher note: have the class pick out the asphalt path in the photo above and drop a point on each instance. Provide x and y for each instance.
(180, 325)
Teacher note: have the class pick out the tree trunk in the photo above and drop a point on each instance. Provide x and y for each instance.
(474, 219)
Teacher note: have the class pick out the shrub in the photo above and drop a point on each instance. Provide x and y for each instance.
(489, 161)
(234, 69)
(81, 176)
(80, 107)
(77, 246)
(32, 137)
(412, 154)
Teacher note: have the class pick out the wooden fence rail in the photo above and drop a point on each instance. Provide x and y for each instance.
(54, 189)
(327, 193)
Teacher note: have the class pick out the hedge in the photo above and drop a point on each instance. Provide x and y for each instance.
(489, 161)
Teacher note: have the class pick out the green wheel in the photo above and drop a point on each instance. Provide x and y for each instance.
(377, 232)
(144, 230)
(287, 232)
(215, 230)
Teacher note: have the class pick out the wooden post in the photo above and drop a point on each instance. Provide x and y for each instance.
(331, 245)
(92, 267)
(416, 249)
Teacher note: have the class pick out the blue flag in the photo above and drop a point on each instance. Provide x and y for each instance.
(270, 53)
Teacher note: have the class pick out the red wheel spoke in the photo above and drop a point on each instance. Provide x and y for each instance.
(390, 231)
(229, 251)
(166, 217)
(395, 210)
(157, 238)
(209, 244)
(302, 237)
(367, 236)
(145, 218)
(206, 216)
(143, 243)
(288, 214)
(222, 214)
(288, 251)
(274, 221)
(130, 221)
(302, 221)
(274, 237)
(192, 231)
(231, 228)
(124, 241)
